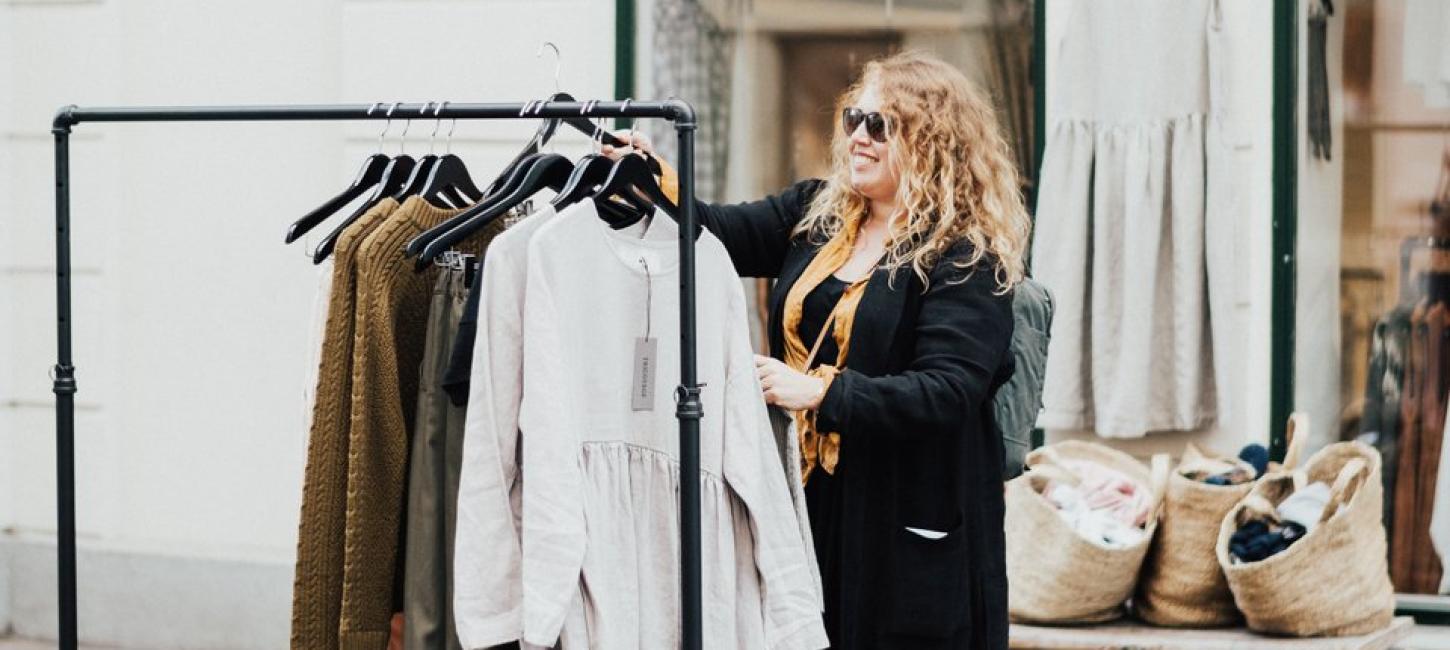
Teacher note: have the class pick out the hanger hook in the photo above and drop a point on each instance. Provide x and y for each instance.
(387, 126)
(407, 124)
(375, 106)
(432, 137)
(538, 109)
(437, 122)
(448, 143)
(598, 135)
(558, 60)
(622, 109)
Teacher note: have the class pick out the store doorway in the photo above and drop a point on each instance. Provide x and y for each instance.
(817, 69)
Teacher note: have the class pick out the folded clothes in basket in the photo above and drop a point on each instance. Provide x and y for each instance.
(1105, 506)
(1294, 517)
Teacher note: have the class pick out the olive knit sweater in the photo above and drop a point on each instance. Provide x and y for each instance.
(317, 585)
(385, 349)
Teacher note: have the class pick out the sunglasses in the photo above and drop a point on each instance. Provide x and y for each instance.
(875, 123)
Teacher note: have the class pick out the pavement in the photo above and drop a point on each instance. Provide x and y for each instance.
(1423, 637)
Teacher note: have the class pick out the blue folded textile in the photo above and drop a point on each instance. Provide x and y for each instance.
(1255, 454)
(1257, 540)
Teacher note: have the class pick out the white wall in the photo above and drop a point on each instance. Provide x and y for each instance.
(1317, 348)
(192, 318)
(7, 495)
(1248, 126)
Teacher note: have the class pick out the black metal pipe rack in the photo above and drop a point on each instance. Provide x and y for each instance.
(688, 409)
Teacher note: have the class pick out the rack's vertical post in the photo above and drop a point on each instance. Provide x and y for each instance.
(64, 385)
(688, 410)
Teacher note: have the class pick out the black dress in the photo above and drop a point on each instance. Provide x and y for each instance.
(920, 448)
(824, 497)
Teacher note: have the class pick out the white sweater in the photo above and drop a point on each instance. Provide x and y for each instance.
(600, 501)
(487, 594)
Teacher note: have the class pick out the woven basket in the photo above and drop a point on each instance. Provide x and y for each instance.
(1054, 574)
(1333, 582)
(1182, 584)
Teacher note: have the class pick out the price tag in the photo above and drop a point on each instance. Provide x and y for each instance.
(642, 389)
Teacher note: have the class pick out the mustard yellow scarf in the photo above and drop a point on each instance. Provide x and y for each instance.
(819, 448)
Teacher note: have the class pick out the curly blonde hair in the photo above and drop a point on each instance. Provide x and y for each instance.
(957, 177)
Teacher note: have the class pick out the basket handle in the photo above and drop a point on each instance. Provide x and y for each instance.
(1043, 455)
(1337, 492)
(1054, 473)
(1161, 465)
(1297, 435)
(1046, 463)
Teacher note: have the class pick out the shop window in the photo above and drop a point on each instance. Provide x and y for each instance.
(1395, 265)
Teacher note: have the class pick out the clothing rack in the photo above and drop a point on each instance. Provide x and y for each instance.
(687, 395)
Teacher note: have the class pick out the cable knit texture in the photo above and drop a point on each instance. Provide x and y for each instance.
(392, 316)
(317, 586)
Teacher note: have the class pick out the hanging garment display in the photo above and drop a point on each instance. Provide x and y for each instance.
(317, 588)
(488, 593)
(1440, 512)
(488, 596)
(1414, 566)
(1383, 391)
(691, 59)
(1405, 402)
(460, 356)
(433, 466)
(588, 472)
(1120, 221)
(419, 492)
(392, 314)
(1318, 112)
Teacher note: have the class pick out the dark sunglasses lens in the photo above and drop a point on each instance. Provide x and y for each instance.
(876, 127)
(850, 119)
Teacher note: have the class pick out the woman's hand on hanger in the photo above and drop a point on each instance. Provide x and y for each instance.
(786, 387)
(637, 143)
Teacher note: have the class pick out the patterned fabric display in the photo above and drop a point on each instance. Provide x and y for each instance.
(692, 61)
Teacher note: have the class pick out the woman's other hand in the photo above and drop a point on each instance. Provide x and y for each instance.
(635, 142)
(786, 387)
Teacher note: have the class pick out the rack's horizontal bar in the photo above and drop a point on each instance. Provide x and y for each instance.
(676, 110)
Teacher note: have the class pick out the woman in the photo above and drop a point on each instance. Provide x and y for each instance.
(905, 258)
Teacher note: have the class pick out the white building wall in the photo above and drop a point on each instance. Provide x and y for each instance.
(192, 319)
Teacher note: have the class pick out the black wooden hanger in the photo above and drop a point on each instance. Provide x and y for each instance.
(548, 171)
(504, 187)
(367, 177)
(394, 176)
(513, 173)
(589, 172)
(441, 179)
(450, 180)
(580, 123)
(631, 173)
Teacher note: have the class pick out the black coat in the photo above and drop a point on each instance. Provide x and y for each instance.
(919, 447)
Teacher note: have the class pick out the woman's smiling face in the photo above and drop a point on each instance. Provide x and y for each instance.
(871, 171)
